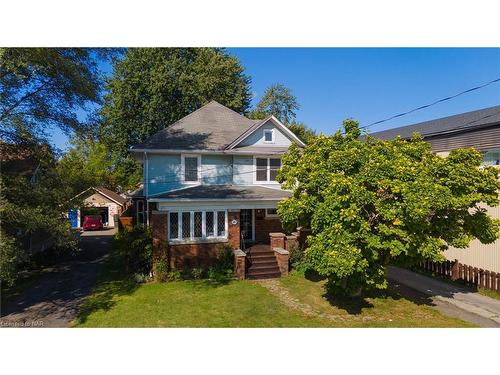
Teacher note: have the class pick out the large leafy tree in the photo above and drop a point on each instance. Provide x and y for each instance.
(29, 206)
(90, 163)
(42, 88)
(153, 87)
(279, 101)
(373, 203)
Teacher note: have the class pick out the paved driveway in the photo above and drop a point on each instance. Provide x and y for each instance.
(56, 297)
(451, 299)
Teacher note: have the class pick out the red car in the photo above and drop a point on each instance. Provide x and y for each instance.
(92, 222)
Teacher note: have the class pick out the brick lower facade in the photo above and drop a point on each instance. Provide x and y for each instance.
(205, 254)
(265, 225)
(201, 255)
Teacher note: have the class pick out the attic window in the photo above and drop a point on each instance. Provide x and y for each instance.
(269, 136)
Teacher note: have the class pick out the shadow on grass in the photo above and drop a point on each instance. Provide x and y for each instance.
(355, 305)
(114, 282)
(211, 283)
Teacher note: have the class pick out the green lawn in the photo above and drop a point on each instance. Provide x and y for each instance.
(120, 303)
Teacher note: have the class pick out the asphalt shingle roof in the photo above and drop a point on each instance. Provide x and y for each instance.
(457, 123)
(211, 127)
(210, 192)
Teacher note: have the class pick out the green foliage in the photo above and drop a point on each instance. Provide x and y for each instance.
(223, 268)
(135, 248)
(197, 273)
(31, 209)
(90, 163)
(11, 258)
(174, 275)
(160, 272)
(278, 101)
(154, 87)
(373, 203)
(45, 87)
(297, 258)
(302, 131)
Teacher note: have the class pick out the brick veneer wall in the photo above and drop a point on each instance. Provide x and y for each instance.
(265, 226)
(233, 235)
(201, 255)
(159, 231)
(195, 254)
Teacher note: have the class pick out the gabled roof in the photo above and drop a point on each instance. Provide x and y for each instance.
(224, 192)
(115, 197)
(458, 123)
(211, 127)
(258, 125)
(112, 195)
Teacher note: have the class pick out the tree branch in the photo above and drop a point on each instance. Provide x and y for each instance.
(22, 99)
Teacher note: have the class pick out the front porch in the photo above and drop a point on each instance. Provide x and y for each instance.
(260, 251)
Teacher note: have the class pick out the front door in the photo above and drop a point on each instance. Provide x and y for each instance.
(246, 225)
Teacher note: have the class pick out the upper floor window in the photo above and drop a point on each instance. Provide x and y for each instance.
(266, 169)
(269, 136)
(492, 157)
(191, 168)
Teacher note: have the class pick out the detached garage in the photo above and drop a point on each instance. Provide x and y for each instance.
(98, 201)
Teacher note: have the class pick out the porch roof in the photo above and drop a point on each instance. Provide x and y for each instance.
(223, 192)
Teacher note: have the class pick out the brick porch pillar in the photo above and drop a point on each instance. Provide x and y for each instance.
(239, 264)
(277, 240)
(290, 242)
(282, 255)
(159, 231)
(233, 227)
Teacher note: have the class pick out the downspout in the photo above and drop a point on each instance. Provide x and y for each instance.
(146, 185)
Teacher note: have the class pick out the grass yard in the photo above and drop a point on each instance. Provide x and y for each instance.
(293, 301)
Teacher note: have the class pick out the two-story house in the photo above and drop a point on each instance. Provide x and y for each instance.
(478, 129)
(212, 175)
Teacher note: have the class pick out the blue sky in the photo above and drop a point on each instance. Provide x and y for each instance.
(370, 84)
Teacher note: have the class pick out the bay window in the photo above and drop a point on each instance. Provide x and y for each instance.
(197, 225)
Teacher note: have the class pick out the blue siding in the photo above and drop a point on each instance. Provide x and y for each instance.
(243, 170)
(164, 172)
(216, 169)
(257, 138)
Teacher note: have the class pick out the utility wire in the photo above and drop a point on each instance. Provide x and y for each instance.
(431, 104)
(206, 177)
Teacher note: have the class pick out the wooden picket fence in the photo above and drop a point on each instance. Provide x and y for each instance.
(472, 276)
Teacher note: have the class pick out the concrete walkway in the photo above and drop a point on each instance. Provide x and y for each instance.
(57, 296)
(472, 303)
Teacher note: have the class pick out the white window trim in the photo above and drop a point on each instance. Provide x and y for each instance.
(268, 180)
(271, 216)
(272, 135)
(139, 203)
(183, 167)
(204, 238)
